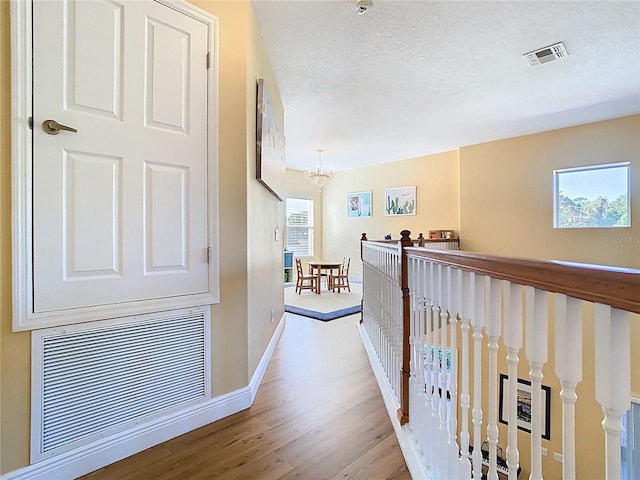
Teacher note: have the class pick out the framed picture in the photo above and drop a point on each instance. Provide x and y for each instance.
(270, 144)
(524, 405)
(400, 201)
(359, 204)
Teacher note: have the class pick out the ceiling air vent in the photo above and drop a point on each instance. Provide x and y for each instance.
(546, 54)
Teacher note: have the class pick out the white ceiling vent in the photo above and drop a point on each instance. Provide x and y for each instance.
(546, 54)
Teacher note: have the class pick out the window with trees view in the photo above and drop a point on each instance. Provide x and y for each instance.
(592, 197)
(299, 213)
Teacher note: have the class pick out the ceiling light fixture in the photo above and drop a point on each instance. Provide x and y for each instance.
(319, 178)
(363, 6)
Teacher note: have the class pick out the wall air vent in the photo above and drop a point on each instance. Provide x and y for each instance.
(546, 54)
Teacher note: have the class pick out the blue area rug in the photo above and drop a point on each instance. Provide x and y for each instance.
(324, 316)
(326, 306)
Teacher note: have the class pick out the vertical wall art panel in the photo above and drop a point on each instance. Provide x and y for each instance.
(270, 142)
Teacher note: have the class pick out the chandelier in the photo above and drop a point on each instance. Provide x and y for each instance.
(318, 177)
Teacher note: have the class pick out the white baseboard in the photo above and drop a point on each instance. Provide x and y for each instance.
(257, 376)
(411, 456)
(100, 453)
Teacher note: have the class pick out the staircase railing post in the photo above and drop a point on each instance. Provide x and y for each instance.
(362, 239)
(403, 411)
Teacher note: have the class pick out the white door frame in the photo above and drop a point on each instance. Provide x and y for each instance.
(24, 317)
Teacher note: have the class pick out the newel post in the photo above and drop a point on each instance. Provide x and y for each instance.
(421, 240)
(362, 239)
(403, 411)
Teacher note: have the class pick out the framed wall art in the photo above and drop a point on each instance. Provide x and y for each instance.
(359, 204)
(270, 144)
(400, 201)
(524, 405)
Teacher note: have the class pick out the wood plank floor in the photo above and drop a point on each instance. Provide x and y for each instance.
(318, 415)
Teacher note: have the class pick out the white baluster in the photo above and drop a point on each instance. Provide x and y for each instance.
(465, 398)
(420, 353)
(445, 300)
(536, 351)
(477, 321)
(613, 379)
(442, 350)
(493, 324)
(513, 341)
(412, 339)
(428, 419)
(455, 285)
(436, 398)
(568, 321)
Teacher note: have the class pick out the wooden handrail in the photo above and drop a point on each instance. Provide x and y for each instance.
(614, 286)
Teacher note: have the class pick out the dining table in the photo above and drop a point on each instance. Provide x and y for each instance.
(318, 266)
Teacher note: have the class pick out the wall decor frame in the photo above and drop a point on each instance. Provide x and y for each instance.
(358, 204)
(524, 405)
(270, 143)
(400, 201)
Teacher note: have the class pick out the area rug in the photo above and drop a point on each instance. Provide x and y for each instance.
(326, 306)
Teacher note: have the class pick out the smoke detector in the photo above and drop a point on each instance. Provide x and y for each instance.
(363, 6)
(546, 54)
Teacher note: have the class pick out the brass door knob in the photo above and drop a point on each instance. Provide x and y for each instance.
(53, 128)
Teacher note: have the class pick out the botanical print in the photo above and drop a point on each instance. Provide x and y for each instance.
(400, 201)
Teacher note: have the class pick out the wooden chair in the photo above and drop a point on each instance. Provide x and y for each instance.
(341, 280)
(304, 282)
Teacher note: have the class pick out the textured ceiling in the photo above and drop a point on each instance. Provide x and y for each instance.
(412, 78)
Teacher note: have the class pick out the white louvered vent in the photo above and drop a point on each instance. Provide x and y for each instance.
(546, 54)
(92, 380)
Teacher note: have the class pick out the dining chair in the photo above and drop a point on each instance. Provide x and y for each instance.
(341, 280)
(304, 282)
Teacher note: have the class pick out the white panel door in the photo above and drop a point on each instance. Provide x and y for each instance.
(120, 207)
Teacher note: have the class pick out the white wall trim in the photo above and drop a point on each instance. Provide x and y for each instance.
(257, 376)
(411, 455)
(24, 316)
(105, 451)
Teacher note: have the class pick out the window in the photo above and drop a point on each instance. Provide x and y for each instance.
(631, 442)
(592, 197)
(299, 212)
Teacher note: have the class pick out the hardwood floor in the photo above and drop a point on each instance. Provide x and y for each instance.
(318, 415)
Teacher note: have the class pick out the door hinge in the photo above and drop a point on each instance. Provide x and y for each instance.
(30, 123)
(208, 254)
(208, 59)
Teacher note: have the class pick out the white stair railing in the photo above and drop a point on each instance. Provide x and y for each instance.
(465, 325)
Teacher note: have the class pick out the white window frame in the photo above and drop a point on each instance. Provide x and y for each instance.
(310, 227)
(556, 190)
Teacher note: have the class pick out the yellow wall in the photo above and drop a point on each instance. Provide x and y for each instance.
(506, 193)
(15, 348)
(241, 326)
(265, 214)
(437, 196)
(229, 318)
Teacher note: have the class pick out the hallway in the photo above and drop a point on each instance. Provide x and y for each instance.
(318, 415)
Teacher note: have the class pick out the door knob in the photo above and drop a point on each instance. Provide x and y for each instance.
(53, 128)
